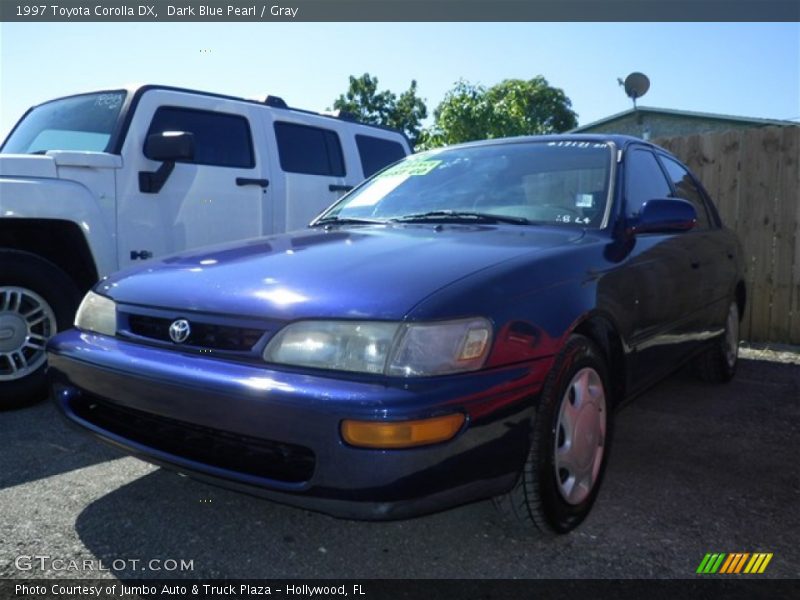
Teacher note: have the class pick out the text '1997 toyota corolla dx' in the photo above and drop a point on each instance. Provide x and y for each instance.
(461, 326)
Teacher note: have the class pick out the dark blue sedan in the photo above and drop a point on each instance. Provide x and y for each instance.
(461, 326)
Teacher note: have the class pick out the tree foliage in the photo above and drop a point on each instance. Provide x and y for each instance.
(369, 105)
(512, 107)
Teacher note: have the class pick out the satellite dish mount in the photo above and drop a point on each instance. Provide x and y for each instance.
(636, 85)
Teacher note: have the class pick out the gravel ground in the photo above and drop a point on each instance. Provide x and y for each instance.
(771, 353)
(695, 468)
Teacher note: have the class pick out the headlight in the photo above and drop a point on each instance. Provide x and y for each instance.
(400, 349)
(341, 345)
(439, 348)
(98, 314)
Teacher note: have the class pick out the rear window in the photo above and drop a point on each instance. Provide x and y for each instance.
(309, 150)
(220, 139)
(376, 153)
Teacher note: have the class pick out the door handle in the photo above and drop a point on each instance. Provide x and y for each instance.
(335, 187)
(247, 181)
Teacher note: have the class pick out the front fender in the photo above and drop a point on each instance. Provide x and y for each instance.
(54, 199)
(535, 302)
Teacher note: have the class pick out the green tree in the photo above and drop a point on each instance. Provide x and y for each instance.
(369, 105)
(512, 107)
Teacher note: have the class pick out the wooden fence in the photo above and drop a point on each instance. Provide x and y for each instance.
(753, 175)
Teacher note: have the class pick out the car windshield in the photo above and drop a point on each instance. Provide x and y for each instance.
(551, 182)
(76, 123)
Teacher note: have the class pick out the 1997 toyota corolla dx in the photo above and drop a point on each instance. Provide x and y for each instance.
(460, 326)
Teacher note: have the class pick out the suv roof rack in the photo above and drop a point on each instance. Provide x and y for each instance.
(275, 102)
(344, 115)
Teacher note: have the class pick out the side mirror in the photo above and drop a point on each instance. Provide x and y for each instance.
(665, 215)
(169, 147)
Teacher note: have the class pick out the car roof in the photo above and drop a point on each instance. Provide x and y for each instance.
(135, 91)
(621, 141)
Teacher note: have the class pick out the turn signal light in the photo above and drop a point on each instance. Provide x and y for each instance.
(401, 434)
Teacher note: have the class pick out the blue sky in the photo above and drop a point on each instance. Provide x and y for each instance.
(746, 69)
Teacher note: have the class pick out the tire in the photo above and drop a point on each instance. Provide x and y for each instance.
(718, 363)
(37, 299)
(563, 471)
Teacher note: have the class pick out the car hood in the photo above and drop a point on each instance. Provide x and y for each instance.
(46, 166)
(374, 272)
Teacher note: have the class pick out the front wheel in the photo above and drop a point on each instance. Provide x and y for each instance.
(570, 440)
(37, 299)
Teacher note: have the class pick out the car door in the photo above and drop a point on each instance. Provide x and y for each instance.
(217, 196)
(660, 276)
(711, 251)
(311, 165)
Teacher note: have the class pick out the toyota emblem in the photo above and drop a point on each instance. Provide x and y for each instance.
(179, 331)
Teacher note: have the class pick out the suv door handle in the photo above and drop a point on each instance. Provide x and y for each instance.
(335, 187)
(247, 181)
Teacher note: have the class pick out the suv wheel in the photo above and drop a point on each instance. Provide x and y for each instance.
(37, 299)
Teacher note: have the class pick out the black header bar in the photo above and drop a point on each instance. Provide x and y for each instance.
(711, 587)
(32, 11)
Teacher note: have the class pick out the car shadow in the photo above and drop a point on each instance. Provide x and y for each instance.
(689, 462)
(37, 442)
(165, 516)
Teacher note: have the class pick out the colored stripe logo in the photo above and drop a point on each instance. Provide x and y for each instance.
(734, 563)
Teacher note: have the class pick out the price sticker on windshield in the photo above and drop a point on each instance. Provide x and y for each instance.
(412, 168)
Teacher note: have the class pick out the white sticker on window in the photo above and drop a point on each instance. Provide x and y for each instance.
(377, 190)
(584, 200)
(109, 101)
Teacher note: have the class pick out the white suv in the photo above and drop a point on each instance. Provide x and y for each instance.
(95, 182)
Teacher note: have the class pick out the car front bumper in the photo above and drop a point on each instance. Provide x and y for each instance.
(276, 433)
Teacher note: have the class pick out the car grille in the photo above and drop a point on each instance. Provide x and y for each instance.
(206, 335)
(241, 454)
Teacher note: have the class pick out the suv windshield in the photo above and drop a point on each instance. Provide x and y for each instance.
(76, 123)
(553, 182)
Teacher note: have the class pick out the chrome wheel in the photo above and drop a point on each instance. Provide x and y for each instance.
(732, 335)
(26, 323)
(580, 436)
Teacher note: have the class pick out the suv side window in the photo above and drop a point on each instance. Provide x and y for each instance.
(644, 180)
(220, 139)
(376, 153)
(310, 150)
(686, 189)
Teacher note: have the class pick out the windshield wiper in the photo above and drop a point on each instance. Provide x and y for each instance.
(347, 221)
(460, 215)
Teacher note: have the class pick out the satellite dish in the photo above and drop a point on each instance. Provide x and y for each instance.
(636, 85)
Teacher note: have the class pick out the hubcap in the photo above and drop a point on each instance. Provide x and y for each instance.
(580, 436)
(26, 323)
(732, 335)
